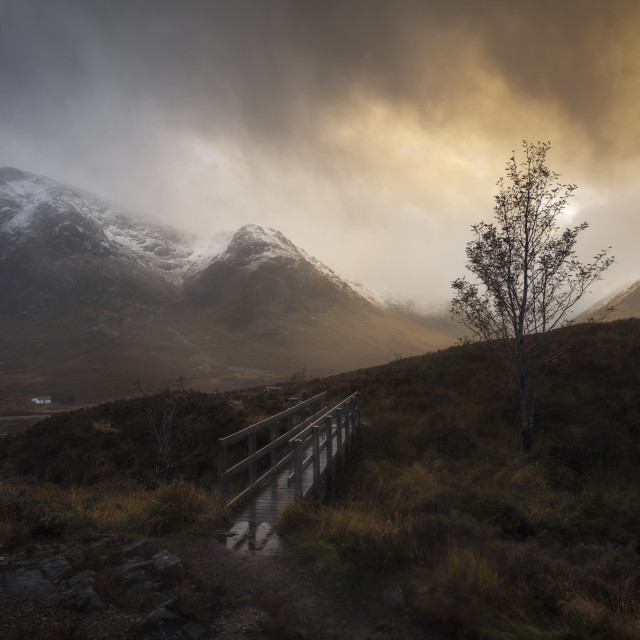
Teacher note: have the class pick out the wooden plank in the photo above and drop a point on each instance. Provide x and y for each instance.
(328, 424)
(252, 449)
(339, 453)
(262, 479)
(271, 498)
(297, 469)
(272, 437)
(316, 462)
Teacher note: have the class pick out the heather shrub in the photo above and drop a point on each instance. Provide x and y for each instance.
(176, 505)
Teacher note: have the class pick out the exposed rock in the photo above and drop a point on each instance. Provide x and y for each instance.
(208, 600)
(194, 630)
(51, 582)
(82, 579)
(28, 584)
(149, 595)
(70, 546)
(319, 566)
(144, 549)
(135, 572)
(158, 617)
(54, 568)
(84, 599)
(100, 543)
(395, 595)
(168, 566)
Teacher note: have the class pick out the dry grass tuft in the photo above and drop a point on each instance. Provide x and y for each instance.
(32, 510)
(175, 505)
(468, 569)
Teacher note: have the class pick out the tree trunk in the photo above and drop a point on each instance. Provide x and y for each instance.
(526, 416)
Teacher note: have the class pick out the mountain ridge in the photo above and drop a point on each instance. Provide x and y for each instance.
(95, 298)
(618, 305)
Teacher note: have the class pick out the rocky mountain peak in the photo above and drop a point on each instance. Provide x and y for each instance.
(90, 291)
(252, 244)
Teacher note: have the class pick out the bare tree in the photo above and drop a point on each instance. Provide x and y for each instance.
(528, 274)
(168, 434)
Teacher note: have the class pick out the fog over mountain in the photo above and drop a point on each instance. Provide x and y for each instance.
(94, 298)
(372, 132)
(623, 303)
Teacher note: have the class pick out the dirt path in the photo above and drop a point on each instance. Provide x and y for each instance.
(266, 595)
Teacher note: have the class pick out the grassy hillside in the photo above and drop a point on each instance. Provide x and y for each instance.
(486, 543)
(95, 470)
(484, 540)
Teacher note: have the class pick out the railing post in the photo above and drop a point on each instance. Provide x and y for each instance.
(315, 432)
(339, 451)
(347, 434)
(290, 422)
(297, 469)
(274, 435)
(329, 449)
(322, 402)
(358, 408)
(354, 422)
(222, 467)
(252, 449)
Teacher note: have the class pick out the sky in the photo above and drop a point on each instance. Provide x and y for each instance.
(370, 132)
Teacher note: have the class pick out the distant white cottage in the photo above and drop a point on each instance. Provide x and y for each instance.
(42, 400)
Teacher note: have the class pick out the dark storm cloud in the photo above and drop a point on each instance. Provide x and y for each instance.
(395, 113)
(271, 67)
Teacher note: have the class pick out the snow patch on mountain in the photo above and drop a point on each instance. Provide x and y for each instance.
(253, 245)
(26, 200)
(25, 197)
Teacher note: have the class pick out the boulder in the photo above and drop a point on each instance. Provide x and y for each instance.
(168, 566)
(54, 568)
(144, 549)
(30, 584)
(395, 595)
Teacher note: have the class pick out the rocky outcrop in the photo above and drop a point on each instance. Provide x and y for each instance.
(150, 581)
(48, 578)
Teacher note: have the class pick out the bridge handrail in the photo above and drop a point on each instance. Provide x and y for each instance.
(351, 408)
(250, 434)
(262, 479)
(258, 426)
(246, 462)
(306, 431)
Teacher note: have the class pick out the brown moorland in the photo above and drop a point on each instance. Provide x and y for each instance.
(486, 542)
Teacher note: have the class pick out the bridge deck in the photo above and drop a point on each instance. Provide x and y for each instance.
(270, 501)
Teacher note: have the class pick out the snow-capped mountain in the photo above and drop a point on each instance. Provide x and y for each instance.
(252, 246)
(58, 227)
(91, 294)
(67, 227)
(262, 276)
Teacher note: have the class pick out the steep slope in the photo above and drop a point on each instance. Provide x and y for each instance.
(59, 245)
(625, 303)
(265, 287)
(262, 275)
(93, 299)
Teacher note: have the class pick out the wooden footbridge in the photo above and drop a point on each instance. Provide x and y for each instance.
(296, 454)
